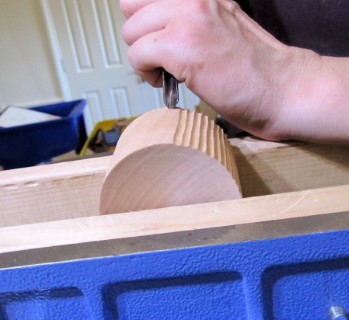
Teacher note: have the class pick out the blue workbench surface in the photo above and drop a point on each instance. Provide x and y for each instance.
(297, 277)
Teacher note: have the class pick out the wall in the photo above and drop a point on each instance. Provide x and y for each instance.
(27, 74)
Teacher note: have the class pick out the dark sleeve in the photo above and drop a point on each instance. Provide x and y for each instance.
(319, 25)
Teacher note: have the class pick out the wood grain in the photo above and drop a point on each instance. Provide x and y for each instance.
(71, 189)
(173, 219)
(169, 157)
(272, 167)
(51, 192)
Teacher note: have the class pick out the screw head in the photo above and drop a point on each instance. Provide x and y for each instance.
(337, 313)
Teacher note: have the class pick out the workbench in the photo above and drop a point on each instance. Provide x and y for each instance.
(281, 252)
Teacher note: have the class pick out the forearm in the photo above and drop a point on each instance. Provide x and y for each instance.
(302, 96)
(315, 105)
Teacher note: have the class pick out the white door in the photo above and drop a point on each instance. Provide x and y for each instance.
(86, 38)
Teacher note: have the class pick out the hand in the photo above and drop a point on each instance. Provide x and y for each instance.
(229, 61)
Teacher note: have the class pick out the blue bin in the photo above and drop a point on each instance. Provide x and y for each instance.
(28, 145)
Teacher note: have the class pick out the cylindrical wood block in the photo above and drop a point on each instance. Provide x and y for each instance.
(169, 157)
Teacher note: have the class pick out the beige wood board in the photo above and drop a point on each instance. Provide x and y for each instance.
(173, 219)
(271, 167)
(71, 189)
(51, 192)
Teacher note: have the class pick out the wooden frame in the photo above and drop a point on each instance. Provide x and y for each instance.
(57, 204)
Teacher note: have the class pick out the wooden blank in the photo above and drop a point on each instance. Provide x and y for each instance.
(169, 157)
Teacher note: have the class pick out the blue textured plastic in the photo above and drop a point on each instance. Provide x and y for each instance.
(288, 278)
(28, 145)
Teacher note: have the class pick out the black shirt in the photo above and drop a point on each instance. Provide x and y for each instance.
(320, 25)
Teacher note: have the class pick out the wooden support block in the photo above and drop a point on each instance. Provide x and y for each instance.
(71, 189)
(273, 167)
(51, 192)
(169, 157)
(175, 219)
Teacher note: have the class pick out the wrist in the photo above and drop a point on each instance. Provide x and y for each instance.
(314, 103)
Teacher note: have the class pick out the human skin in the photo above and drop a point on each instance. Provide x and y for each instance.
(271, 90)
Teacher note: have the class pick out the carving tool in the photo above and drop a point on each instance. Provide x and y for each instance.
(170, 89)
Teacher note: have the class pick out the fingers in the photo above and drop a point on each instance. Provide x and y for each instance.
(153, 77)
(151, 18)
(129, 7)
(144, 54)
(146, 57)
(152, 52)
(145, 18)
(153, 36)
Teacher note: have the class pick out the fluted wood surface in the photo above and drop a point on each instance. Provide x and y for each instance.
(169, 158)
(196, 131)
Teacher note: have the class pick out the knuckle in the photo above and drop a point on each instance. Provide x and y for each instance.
(126, 34)
(138, 55)
(133, 59)
(202, 6)
(126, 7)
(198, 6)
(232, 6)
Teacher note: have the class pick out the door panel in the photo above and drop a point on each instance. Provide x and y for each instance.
(94, 57)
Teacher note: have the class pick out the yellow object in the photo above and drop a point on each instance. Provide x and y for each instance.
(105, 125)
